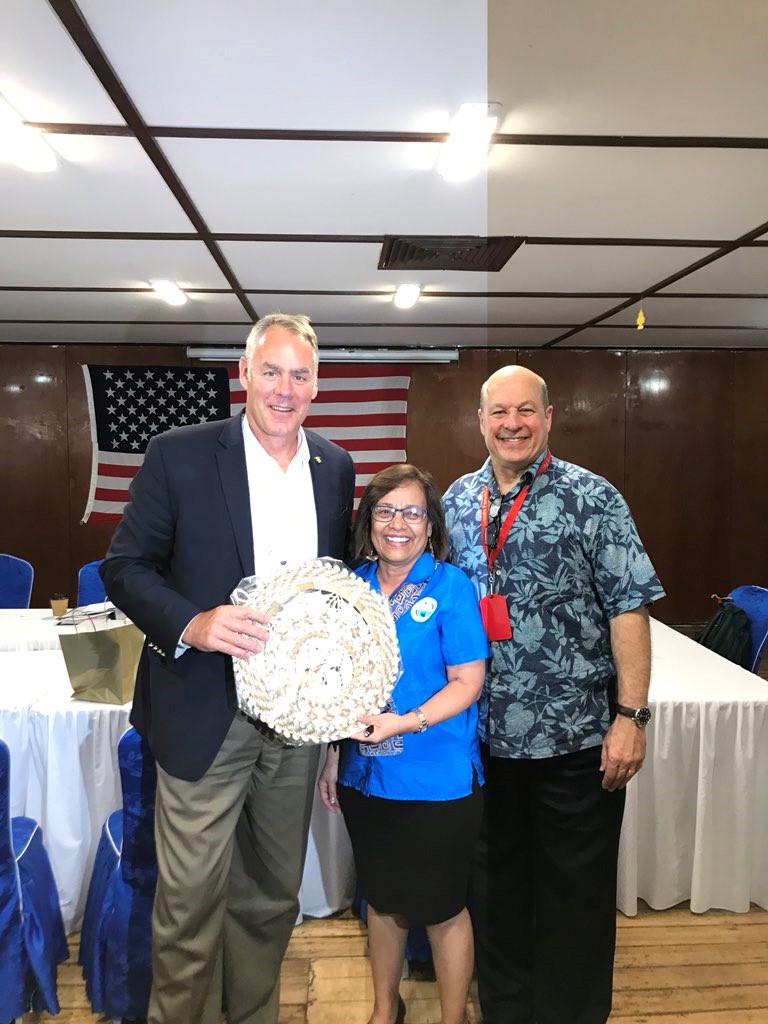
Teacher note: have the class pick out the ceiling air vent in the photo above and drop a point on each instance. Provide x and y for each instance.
(447, 252)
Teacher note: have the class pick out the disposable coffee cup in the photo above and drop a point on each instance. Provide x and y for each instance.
(59, 605)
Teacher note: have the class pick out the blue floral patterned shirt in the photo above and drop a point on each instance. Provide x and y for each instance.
(572, 561)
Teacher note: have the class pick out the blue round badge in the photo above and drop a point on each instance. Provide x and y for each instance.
(424, 609)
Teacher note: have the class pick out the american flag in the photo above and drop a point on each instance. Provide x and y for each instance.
(363, 408)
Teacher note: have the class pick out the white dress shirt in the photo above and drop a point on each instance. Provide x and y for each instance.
(283, 516)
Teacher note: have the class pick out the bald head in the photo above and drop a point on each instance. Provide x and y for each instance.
(515, 417)
(520, 374)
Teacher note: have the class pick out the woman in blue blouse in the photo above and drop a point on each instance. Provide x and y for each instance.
(409, 782)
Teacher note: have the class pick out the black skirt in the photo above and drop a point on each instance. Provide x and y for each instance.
(413, 857)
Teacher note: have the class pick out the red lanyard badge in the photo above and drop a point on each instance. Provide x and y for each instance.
(493, 607)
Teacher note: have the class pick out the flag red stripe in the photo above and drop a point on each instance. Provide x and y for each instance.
(352, 444)
(104, 517)
(362, 369)
(387, 419)
(117, 469)
(361, 397)
(370, 467)
(107, 494)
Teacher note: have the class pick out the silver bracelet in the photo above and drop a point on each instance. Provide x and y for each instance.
(423, 723)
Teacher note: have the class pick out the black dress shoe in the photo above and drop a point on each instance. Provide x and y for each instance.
(400, 1018)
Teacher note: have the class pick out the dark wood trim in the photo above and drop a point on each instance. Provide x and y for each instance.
(388, 325)
(112, 236)
(246, 236)
(146, 323)
(633, 141)
(335, 135)
(100, 289)
(72, 128)
(73, 21)
(378, 292)
(662, 243)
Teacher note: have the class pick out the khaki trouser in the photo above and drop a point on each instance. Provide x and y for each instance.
(230, 852)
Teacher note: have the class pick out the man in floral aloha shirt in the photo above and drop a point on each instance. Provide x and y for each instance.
(566, 575)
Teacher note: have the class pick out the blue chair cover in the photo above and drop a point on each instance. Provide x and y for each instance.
(116, 937)
(32, 939)
(754, 601)
(16, 578)
(90, 589)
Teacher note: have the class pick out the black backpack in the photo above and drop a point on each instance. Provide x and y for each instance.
(727, 633)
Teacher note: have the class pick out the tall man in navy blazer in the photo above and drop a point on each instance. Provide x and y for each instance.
(211, 504)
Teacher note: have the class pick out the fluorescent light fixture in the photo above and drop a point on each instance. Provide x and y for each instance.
(341, 355)
(464, 153)
(407, 295)
(169, 292)
(23, 145)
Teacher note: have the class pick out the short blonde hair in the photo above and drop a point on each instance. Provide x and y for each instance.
(297, 324)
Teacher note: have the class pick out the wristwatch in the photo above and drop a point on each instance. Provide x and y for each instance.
(640, 716)
(423, 723)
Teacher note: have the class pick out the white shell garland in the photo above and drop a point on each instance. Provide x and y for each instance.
(332, 652)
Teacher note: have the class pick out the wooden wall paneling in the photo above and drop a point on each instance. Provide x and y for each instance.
(89, 541)
(586, 389)
(34, 507)
(748, 536)
(443, 431)
(679, 472)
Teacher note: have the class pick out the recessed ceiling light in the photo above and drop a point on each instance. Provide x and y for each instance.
(24, 145)
(407, 295)
(169, 292)
(465, 151)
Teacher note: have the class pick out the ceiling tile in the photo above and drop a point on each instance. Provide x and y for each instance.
(632, 193)
(126, 306)
(112, 187)
(106, 263)
(325, 188)
(593, 268)
(338, 65)
(700, 312)
(593, 67)
(42, 73)
(745, 270)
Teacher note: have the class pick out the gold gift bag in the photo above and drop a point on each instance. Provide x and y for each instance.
(102, 663)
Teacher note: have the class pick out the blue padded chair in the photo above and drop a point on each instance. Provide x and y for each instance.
(90, 589)
(116, 937)
(754, 601)
(32, 939)
(16, 578)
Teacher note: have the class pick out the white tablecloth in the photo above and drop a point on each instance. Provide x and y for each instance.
(64, 770)
(696, 822)
(38, 629)
(63, 764)
(695, 828)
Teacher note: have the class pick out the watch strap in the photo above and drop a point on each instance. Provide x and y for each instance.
(423, 723)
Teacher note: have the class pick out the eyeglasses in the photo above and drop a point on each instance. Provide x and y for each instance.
(411, 513)
(493, 528)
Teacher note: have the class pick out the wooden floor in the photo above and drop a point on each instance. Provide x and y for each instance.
(672, 967)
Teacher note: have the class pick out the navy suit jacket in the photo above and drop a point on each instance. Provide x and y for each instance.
(182, 546)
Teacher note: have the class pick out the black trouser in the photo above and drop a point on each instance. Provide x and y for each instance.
(544, 891)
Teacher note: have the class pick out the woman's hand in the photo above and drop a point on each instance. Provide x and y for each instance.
(327, 781)
(381, 727)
